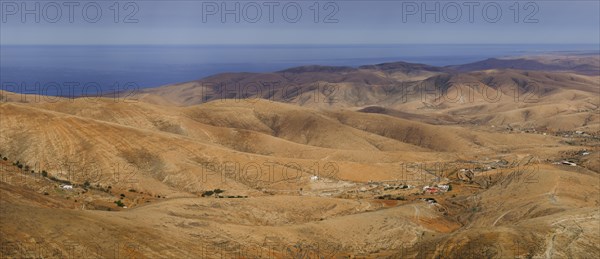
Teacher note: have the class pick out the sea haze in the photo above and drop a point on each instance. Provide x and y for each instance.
(82, 70)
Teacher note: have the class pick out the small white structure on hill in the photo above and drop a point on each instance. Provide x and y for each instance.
(314, 178)
(66, 186)
(444, 187)
(568, 163)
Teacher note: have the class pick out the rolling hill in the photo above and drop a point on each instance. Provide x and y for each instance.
(489, 160)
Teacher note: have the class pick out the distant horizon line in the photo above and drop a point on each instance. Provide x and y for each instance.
(311, 44)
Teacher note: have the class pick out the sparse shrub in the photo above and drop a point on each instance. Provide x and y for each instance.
(32, 171)
(385, 197)
(400, 198)
(44, 173)
(4, 158)
(122, 195)
(119, 203)
(449, 187)
(207, 193)
(86, 183)
(20, 166)
(132, 190)
(46, 193)
(217, 191)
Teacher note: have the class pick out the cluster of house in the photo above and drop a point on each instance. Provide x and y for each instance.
(570, 134)
(436, 189)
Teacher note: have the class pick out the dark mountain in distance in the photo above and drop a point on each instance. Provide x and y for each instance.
(387, 83)
(317, 68)
(494, 63)
(581, 64)
(403, 66)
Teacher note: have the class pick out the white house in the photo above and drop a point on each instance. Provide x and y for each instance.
(66, 186)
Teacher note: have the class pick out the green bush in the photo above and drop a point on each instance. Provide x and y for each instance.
(119, 203)
(207, 193)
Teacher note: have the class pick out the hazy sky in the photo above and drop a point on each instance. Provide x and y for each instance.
(278, 22)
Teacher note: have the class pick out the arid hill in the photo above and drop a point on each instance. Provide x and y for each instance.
(411, 161)
(504, 94)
